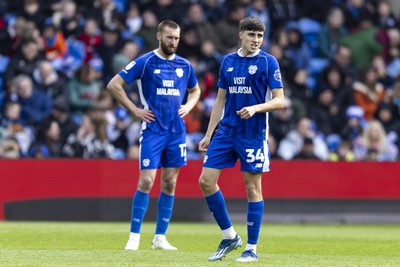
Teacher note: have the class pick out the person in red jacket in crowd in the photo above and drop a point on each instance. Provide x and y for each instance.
(91, 37)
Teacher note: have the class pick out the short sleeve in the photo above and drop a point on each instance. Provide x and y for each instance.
(274, 73)
(192, 81)
(134, 70)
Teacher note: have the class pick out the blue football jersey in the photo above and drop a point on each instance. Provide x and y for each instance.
(248, 81)
(162, 86)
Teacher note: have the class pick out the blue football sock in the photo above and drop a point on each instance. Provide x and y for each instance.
(254, 219)
(139, 208)
(164, 212)
(217, 206)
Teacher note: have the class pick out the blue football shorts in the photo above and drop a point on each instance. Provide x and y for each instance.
(158, 150)
(224, 151)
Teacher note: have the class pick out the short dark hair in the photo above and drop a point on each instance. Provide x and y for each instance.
(167, 23)
(251, 24)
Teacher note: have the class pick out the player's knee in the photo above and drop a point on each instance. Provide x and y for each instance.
(205, 183)
(168, 186)
(253, 192)
(145, 184)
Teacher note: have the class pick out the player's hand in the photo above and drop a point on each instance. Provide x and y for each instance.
(144, 115)
(204, 143)
(183, 111)
(246, 112)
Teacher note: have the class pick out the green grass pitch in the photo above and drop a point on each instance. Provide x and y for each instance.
(101, 244)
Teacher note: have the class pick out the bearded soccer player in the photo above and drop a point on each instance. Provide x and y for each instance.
(163, 79)
(250, 86)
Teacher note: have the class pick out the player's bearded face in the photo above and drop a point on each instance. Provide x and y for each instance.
(169, 41)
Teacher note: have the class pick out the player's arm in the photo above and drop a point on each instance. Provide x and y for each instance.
(216, 115)
(115, 86)
(277, 102)
(192, 99)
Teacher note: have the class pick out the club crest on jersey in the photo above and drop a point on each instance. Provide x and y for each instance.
(179, 72)
(253, 69)
(277, 75)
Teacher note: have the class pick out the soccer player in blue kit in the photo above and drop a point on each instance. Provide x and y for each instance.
(250, 86)
(163, 79)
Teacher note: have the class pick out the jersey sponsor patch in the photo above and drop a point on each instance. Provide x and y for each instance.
(130, 65)
(229, 69)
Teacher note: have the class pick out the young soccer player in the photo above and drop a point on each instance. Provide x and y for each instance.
(250, 86)
(163, 78)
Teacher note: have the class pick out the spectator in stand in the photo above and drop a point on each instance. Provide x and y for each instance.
(107, 50)
(355, 123)
(374, 137)
(281, 12)
(49, 81)
(128, 52)
(384, 16)
(213, 10)
(149, 30)
(11, 127)
(325, 113)
(134, 19)
(226, 28)
(9, 149)
(390, 122)
(91, 37)
(60, 113)
(48, 143)
(354, 10)
(297, 50)
(168, 10)
(331, 32)
(103, 11)
(5, 38)
(35, 105)
(368, 92)
(343, 152)
(378, 62)
(90, 141)
(16, 32)
(196, 19)
(54, 43)
(68, 18)
(24, 62)
(333, 78)
(307, 151)
(293, 141)
(83, 90)
(342, 60)
(282, 121)
(300, 93)
(32, 11)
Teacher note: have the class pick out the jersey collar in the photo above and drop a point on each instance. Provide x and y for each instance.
(239, 52)
(160, 56)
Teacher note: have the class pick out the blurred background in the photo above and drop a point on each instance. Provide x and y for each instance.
(335, 146)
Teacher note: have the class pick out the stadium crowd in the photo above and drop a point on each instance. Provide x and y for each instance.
(340, 61)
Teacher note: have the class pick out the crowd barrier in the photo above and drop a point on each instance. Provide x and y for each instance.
(22, 180)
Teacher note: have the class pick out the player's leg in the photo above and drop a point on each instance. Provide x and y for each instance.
(139, 207)
(253, 155)
(219, 155)
(165, 205)
(255, 209)
(172, 158)
(151, 146)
